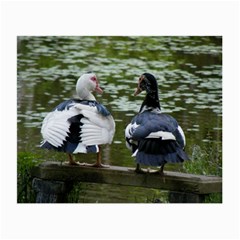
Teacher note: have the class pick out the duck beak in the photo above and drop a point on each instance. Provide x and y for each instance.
(137, 91)
(98, 90)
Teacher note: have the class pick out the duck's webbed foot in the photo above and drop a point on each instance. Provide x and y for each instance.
(71, 161)
(138, 169)
(98, 163)
(160, 171)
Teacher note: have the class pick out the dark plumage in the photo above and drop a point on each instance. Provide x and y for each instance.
(155, 138)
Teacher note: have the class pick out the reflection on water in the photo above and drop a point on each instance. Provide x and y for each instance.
(188, 70)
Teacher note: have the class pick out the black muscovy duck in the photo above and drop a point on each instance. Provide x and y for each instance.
(79, 125)
(155, 138)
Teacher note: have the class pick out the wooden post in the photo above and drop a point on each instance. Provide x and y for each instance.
(50, 191)
(183, 197)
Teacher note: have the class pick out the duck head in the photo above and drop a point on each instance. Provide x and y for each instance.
(147, 82)
(86, 84)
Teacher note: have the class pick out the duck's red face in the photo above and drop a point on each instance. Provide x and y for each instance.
(97, 88)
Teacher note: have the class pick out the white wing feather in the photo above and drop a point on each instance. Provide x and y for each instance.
(182, 134)
(96, 129)
(55, 126)
(162, 134)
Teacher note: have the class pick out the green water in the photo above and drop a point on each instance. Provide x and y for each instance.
(188, 70)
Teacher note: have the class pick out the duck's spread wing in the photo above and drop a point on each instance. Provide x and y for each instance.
(77, 122)
(55, 127)
(96, 128)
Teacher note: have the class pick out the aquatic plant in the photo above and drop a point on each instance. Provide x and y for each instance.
(25, 162)
(206, 161)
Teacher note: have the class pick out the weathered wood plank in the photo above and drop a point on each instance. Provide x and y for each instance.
(172, 181)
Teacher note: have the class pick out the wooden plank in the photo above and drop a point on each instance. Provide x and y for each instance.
(172, 181)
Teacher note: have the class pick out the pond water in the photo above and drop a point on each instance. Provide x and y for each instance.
(188, 70)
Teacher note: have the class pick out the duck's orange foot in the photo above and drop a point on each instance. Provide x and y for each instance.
(72, 163)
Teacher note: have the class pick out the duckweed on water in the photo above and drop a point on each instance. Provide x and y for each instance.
(189, 73)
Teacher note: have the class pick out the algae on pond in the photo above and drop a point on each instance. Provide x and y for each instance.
(188, 70)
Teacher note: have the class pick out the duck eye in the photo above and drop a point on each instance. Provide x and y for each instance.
(94, 79)
(144, 83)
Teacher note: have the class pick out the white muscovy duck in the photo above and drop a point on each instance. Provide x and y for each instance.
(155, 138)
(79, 125)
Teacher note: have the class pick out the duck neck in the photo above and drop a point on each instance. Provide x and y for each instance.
(86, 95)
(151, 102)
